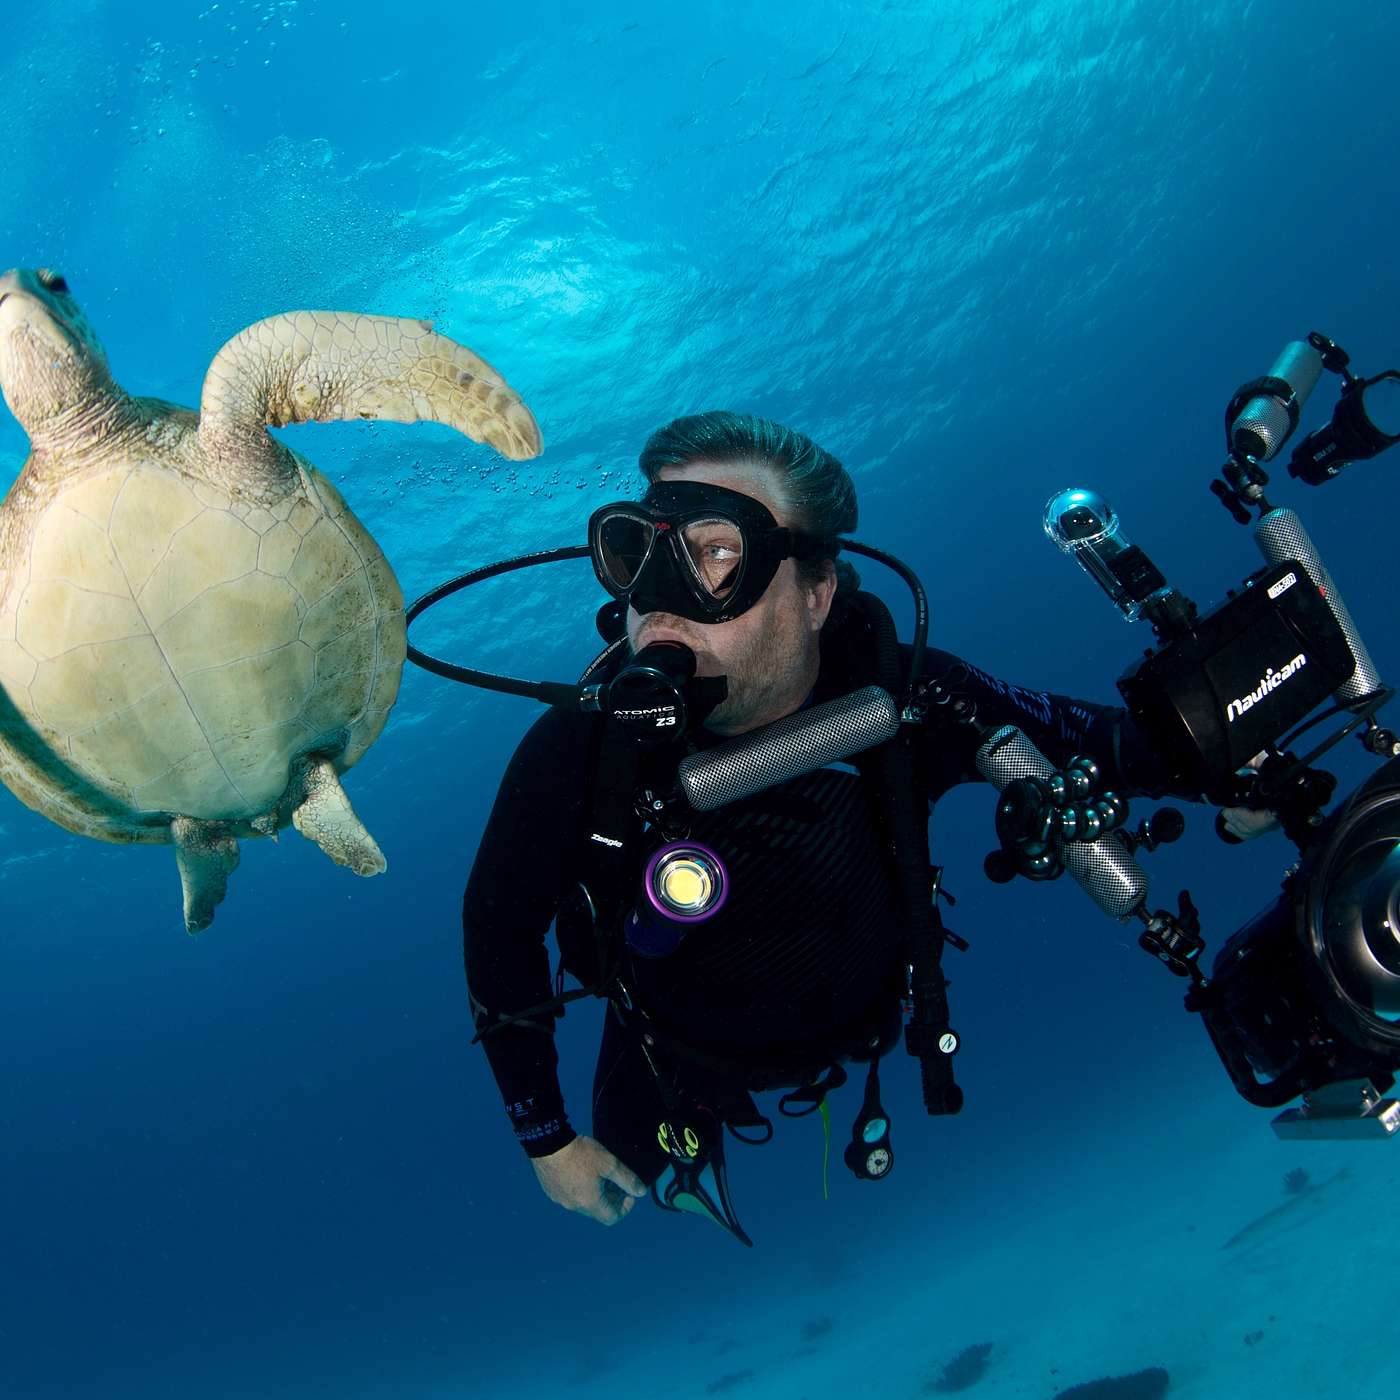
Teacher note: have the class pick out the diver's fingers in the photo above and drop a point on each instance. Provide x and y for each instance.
(604, 1204)
(1245, 823)
(616, 1203)
(611, 1203)
(625, 1178)
(584, 1176)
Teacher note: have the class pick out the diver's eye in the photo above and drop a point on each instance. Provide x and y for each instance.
(50, 281)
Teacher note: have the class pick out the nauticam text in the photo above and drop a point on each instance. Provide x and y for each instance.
(1270, 680)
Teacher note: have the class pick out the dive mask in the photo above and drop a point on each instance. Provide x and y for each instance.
(693, 549)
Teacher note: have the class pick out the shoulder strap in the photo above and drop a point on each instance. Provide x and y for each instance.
(902, 815)
(612, 824)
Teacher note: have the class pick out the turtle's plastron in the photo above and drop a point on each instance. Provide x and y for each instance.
(197, 636)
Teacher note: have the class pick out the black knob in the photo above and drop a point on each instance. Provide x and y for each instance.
(999, 868)
(1382, 743)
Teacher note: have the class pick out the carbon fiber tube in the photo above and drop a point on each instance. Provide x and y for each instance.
(799, 744)
(1105, 869)
(1264, 424)
(1280, 535)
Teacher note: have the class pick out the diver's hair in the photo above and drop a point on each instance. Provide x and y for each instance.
(817, 489)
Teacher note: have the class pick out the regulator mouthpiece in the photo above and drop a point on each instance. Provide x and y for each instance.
(655, 698)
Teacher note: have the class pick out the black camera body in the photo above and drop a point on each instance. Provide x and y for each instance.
(1232, 681)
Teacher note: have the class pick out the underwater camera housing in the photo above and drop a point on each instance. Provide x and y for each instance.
(1225, 687)
(1221, 688)
(1304, 1000)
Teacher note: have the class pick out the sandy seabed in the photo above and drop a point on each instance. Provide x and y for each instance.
(1160, 1248)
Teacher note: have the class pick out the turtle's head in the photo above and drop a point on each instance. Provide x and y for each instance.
(52, 367)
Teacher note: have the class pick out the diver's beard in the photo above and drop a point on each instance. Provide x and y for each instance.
(762, 688)
(745, 707)
(732, 715)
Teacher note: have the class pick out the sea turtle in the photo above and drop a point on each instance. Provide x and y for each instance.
(196, 635)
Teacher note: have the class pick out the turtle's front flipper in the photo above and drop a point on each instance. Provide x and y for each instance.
(336, 365)
(324, 815)
(206, 855)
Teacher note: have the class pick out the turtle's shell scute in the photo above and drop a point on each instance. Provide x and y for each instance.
(166, 648)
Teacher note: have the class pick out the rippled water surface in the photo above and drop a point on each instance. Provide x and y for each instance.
(981, 252)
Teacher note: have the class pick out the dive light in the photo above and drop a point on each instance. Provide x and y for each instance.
(684, 884)
(686, 881)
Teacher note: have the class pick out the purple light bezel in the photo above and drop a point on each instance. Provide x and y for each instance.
(716, 864)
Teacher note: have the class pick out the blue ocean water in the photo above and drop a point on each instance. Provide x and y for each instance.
(981, 252)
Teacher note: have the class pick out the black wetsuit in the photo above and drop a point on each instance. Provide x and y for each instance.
(801, 964)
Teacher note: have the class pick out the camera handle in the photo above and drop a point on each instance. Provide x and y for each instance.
(1037, 815)
(1294, 792)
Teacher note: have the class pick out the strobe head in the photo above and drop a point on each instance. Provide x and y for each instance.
(1365, 422)
(1306, 996)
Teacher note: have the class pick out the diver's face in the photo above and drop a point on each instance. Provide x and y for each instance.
(769, 654)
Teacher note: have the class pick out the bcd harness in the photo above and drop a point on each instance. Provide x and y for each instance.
(624, 808)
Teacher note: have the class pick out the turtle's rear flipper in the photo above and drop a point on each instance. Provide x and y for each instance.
(206, 854)
(324, 815)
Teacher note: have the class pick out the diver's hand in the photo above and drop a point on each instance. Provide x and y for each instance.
(584, 1176)
(1236, 824)
(1245, 823)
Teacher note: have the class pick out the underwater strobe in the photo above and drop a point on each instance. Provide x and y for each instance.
(1304, 1000)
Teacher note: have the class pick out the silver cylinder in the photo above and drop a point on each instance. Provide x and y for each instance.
(1280, 536)
(799, 744)
(1264, 423)
(1105, 869)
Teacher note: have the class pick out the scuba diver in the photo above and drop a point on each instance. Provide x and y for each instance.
(766, 939)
